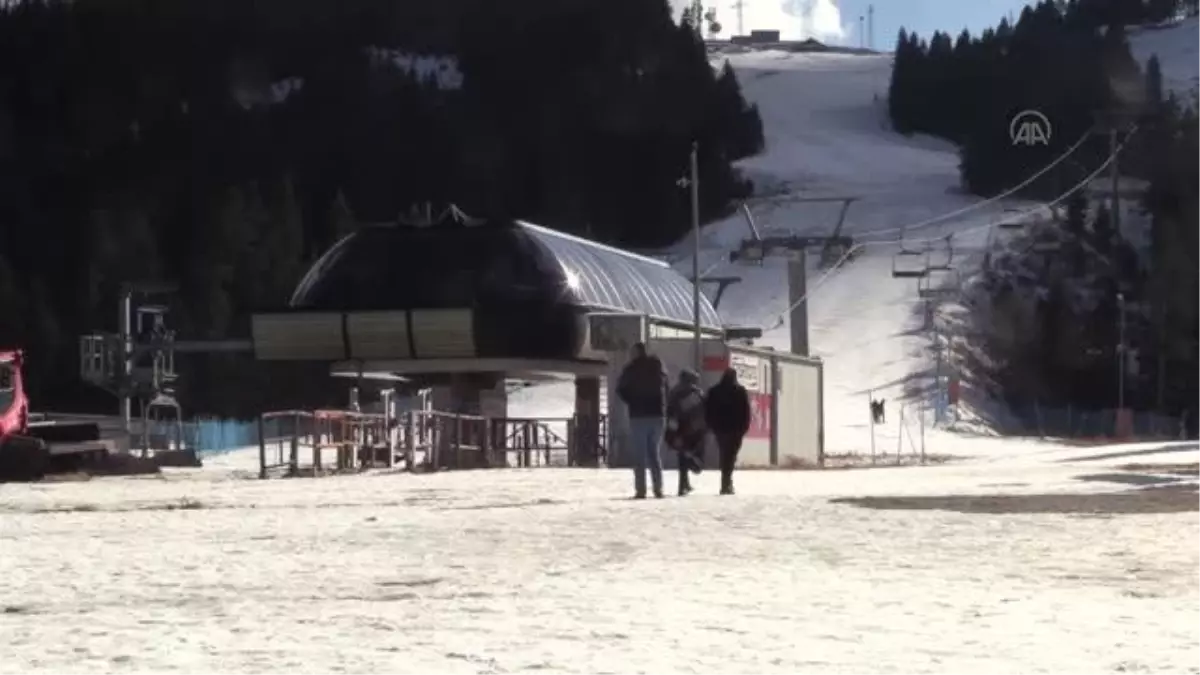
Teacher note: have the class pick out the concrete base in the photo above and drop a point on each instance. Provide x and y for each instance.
(586, 443)
(476, 394)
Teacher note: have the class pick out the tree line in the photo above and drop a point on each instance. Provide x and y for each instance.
(1054, 337)
(224, 145)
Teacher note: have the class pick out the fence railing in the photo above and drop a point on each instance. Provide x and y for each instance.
(1069, 422)
(294, 442)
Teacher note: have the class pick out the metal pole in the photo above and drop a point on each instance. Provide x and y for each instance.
(1121, 354)
(797, 271)
(1116, 180)
(921, 419)
(698, 359)
(125, 328)
(871, 398)
(870, 26)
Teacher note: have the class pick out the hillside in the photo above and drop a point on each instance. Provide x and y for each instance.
(827, 135)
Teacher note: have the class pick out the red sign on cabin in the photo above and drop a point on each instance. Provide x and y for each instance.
(760, 416)
(715, 363)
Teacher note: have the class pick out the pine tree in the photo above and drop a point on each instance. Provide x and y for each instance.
(1102, 232)
(900, 87)
(340, 218)
(283, 245)
(12, 306)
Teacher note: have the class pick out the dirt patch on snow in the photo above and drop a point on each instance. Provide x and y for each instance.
(1173, 499)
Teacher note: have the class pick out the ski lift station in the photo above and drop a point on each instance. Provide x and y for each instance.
(457, 307)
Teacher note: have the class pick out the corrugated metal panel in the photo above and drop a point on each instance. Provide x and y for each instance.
(297, 336)
(612, 279)
(443, 333)
(313, 336)
(378, 335)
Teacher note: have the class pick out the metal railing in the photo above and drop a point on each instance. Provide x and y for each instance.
(296, 442)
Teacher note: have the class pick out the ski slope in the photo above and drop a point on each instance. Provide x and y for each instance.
(825, 121)
(1177, 45)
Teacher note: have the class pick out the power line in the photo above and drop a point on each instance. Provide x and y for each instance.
(946, 216)
(1007, 193)
(861, 245)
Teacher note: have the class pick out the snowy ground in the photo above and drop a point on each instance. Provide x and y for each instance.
(518, 571)
(553, 570)
(1177, 46)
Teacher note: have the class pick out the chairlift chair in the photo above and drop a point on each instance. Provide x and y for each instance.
(904, 270)
(912, 267)
(947, 286)
(749, 254)
(948, 264)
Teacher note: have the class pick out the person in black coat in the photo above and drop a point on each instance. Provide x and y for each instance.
(643, 388)
(727, 413)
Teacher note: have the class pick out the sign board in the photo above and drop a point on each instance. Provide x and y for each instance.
(760, 416)
(747, 368)
(615, 331)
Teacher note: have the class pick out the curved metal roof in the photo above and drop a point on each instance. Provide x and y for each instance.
(607, 278)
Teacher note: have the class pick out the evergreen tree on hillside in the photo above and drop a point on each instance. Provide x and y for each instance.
(224, 144)
(906, 90)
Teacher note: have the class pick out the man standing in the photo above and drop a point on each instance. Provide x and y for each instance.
(686, 429)
(727, 412)
(643, 388)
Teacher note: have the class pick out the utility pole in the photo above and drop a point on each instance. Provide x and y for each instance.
(1115, 121)
(693, 181)
(795, 248)
(125, 337)
(1115, 174)
(870, 26)
(740, 6)
(698, 357)
(862, 34)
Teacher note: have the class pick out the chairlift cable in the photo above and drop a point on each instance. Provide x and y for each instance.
(850, 251)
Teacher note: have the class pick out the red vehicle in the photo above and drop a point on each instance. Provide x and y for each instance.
(30, 450)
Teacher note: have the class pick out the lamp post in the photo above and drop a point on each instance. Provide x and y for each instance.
(693, 181)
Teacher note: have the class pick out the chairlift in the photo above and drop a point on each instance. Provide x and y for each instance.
(945, 285)
(1011, 224)
(750, 253)
(948, 264)
(1046, 245)
(905, 249)
(909, 263)
(905, 266)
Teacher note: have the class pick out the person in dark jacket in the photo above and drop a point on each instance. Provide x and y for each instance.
(686, 429)
(642, 386)
(727, 412)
